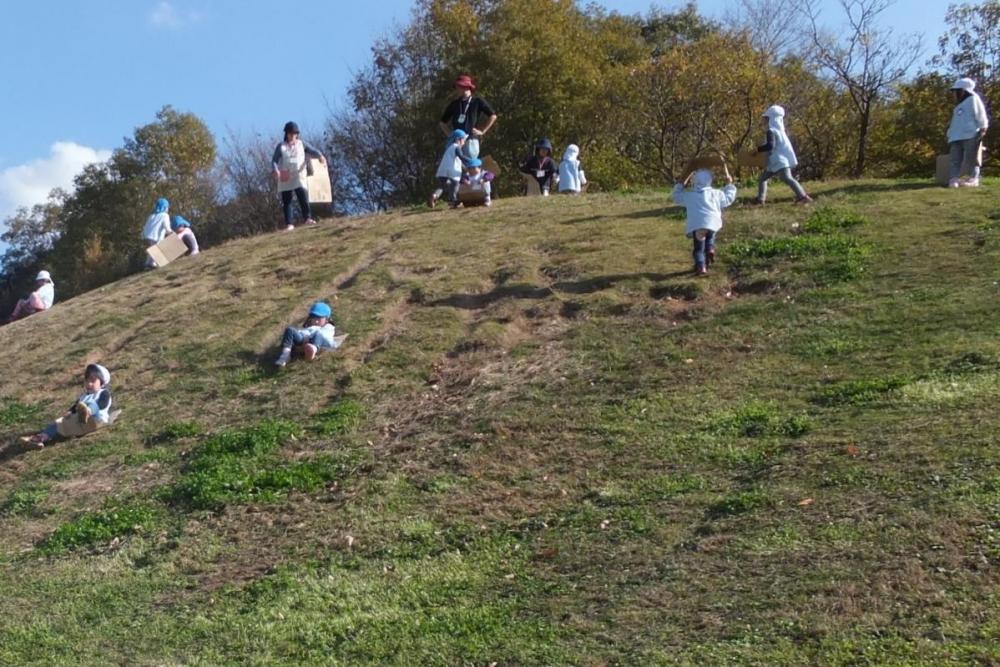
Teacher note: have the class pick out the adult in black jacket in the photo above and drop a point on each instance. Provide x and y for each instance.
(465, 112)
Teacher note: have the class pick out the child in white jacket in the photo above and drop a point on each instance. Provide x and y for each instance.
(157, 227)
(965, 134)
(571, 176)
(704, 206)
(90, 411)
(449, 171)
(316, 333)
(782, 158)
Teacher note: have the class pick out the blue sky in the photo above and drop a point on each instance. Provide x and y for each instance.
(80, 76)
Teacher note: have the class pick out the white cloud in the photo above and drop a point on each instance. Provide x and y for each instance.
(30, 183)
(167, 16)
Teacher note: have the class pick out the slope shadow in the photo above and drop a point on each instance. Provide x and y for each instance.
(860, 188)
(528, 291)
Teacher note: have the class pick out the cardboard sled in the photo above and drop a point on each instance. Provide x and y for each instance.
(71, 427)
(702, 162)
(942, 171)
(320, 191)
(752, 159)
(489, 164)
(472, 195)
(167, 250)
(339, 340)
(532, 189)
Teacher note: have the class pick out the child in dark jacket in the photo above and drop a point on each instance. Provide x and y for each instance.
(541, 166)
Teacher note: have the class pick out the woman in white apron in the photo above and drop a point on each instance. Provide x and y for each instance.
(290, 164)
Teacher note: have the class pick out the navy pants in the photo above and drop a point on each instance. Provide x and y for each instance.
(292, 337)
(286, 204)
(701, 246)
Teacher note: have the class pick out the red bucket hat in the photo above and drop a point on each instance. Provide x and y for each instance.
(465, 81)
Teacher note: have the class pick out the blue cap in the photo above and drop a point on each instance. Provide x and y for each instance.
(321, 309)
(179, 222)
(161, 205)
(458, 134)
(544, 143)
(474, 162)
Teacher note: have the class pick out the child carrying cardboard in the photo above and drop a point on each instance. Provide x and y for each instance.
(449, 171)
(88, 413)
(781, 159)
(541, 167)
(315, 334)
(704, 206)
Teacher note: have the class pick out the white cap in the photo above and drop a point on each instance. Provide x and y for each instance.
(774, 111)
(100, 371)
(43, 275)
(965, 84)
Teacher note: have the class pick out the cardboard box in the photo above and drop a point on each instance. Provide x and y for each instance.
(167, 250)
(320, 190)
(752, 159)
(702, 162)
(471, 195)
(71, 427)
(942, 171)
(531, 186)
(489, 164)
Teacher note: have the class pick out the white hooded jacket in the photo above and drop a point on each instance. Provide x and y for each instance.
(157, 227)
(968, 118)
(46, 294)
(704, 203)
(571, 176)
(782, 154)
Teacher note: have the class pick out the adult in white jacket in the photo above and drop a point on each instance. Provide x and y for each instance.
(704, 206)
(571, 176)
(781, 159)
(965, 134)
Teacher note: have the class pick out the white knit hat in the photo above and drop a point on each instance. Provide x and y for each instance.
(43, 275)
(965, 84)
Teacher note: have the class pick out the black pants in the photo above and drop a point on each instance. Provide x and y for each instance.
(286, 204)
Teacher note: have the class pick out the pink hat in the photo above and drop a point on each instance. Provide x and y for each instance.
(465, 81)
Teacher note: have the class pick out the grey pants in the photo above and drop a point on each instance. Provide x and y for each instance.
(786, 176)
(964, 157)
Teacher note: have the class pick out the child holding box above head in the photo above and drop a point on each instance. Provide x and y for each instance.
(541, 166)
(782, 158)
(704, 206)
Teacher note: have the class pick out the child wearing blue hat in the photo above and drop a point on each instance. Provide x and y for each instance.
(157, 227)
(184, 232)
(541, 166)
(449, 171)
(478, 178)
(315, 334)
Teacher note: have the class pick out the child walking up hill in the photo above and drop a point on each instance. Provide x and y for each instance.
(782, 157)
(704, 206)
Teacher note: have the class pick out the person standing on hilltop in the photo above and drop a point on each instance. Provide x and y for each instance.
(965, 134)
(157, 227)
(291, 168)
(463, 113)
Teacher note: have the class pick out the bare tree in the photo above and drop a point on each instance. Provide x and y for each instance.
(864, 58)
(775, 27)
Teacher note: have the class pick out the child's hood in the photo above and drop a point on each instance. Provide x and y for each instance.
(702, 179)
(775, 115)
(572, 152)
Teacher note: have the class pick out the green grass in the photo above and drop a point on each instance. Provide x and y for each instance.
(544, 442)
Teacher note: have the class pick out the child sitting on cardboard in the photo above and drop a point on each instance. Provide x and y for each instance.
(184, 232)
(477, 178)
(704, 206)
(316, 333)
(88, 413)
(39, 300)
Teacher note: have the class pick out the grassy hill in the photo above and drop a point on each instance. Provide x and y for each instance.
(544, 442)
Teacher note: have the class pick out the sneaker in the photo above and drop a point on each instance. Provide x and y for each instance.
(953, 183)
(701, 270)
(710, 255)
(310, 352)
(310, 221)
(545, 192)
(969, 183)
(283, 358)
(804, 199)
(289, 228)
(488, 202)
(756, 201)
